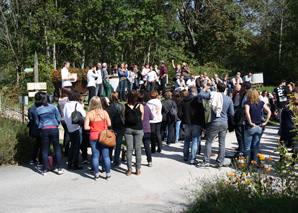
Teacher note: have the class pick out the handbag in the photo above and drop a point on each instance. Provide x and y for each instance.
(107, 137)
(77, 117)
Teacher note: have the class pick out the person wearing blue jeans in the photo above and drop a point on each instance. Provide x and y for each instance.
(119, 139)
(98, 148)
(177, 128)
(123, 73)
(252, 138)
(192, 133)
(74, 151)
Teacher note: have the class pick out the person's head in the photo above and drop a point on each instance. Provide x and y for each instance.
(126, 66)
(204, 74)
(181, 77)
(178, 66)
(265, 93)
(168, 95)
(246, 86)
(238, 74)
(201, 75)
(74, 96)
(38, 99)
(132, 97)
(131, 68)
(215, 76)
(103, 101)
(291, 86)
(161, 63)
(92, 67)
(147, 96)
(252, 96)
(176, 95)
(154, 94)
(184, 94)
(237, 87)
(151, 68)
(226, 76)
(122, 65)
(141, 97)
(147, 65)
(115, 66)
(114, 97)
(44, 99)
(193, 90)
(66, 64)
(104, 65)
(183, 64)
(192, 77)
(95, 104)
(221, 87)
(65, 92)
(99, 66)
(249, 74)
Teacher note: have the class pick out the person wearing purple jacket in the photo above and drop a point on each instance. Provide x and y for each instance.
(146, 128)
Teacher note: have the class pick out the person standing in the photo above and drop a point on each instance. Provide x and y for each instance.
(281, 92)
(66, 77)
(97, 120)
(247, 78)
(226, 81)
(185, 72)
(122, 72)
(98, 80)
(47, 119)
(144, 73)
(177, 125)
(75, 130)
(215, 80)
(151, 79)
(191, 112)
(106, 81)
(131, 78)
(222, 106)
(163, 77)
(91, 75)
(133, 114)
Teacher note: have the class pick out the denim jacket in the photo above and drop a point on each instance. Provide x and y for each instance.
(46, 116)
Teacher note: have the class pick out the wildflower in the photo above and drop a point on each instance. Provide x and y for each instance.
(228, 183)
(238, 180)
(267, 169)
(242, 164)
(253, 162)
(236, 158)
(262, 158)
(259, 154)
(270, 158)
(223, 179)
(230, 175)
(282, 141)
(246, 181)
(243, 175)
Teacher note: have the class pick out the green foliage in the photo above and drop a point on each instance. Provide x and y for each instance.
(15, 143)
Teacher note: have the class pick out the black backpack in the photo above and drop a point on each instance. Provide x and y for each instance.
(131, 115)
(172, 115)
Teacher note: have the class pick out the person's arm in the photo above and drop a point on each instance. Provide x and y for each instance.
(234, 82)
(142, 110)
(36, 118)
(203, 94)
(57, 115)
(87, 122)
(66, 76)
(231, 109)
(266, 108)
(95, 75)
(123, 112)
(173, 64)
(247, 115)
(150, 114)
(107, 118)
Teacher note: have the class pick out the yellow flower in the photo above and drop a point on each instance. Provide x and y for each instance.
(238, 180)
(262, 158)
(236, 158)
(282, 141)
(230, 175)
(253, 162)
(228, 183)
(259, 154)
(243, 175)
(267, 169)
(223, 179)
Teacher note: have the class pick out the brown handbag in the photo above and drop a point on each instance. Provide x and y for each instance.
(107, 137)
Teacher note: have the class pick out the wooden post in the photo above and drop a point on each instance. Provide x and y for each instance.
(23, 107)
(35, 68)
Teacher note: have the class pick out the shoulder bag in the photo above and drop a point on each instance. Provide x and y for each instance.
(107, 137)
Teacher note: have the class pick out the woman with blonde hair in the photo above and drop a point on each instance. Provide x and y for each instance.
(97, 120)
(254, 127)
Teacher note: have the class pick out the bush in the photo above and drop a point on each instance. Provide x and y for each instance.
(15, 143)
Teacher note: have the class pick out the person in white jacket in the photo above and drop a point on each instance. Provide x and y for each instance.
(75, 130)
(91, 75)
(155, 107)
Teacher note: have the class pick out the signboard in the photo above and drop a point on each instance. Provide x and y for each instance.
(32, 94)
(37, 86)
(28, 70)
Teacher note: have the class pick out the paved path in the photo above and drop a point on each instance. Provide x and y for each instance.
(158, 189)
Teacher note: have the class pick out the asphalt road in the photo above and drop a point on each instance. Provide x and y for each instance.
(161, 188)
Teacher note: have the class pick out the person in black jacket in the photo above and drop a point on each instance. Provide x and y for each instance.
(169, 117)
(191, 112)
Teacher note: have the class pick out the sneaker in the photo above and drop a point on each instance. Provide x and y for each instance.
(33, 162)
(96, 177)
(44, 173)
(195, 162)
(150, 164)
(39, 164)
(60, 172)
(108, 177)
(85, 162)
(203, 165)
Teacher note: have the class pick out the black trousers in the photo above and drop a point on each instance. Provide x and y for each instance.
(155, 136)
(91, 93)
(163, 86)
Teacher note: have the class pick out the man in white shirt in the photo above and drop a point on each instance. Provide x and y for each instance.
(66, 77)
(237, 79)
(180, 84)
(247, 78)
(99, 87)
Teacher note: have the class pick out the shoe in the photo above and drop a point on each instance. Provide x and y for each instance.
(194, 162)
(60, 172)
(185, 159)
(96, 177)
(77, 167)
(212, 154)
(108, 177)
(203, 165)
(159, 150)
(128, 172)
(39, 164)
(44, 173)
(150, 164)
(33, 162)
(116, 164)
(85, 162)
(138, 172)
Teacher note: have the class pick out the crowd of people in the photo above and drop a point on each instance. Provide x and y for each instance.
(193, 109)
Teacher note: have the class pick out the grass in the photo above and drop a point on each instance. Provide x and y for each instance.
(268, 88)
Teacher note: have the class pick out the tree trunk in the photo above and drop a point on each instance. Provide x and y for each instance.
(47, 46)
(281, 33)
(54, 56)
(84, 53)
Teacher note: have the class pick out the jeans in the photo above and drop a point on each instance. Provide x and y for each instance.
(214, 129)
(155, 136)
(131, 86)
(163, 85)
(150, 86)
(169, 127)
(66, 139)
(252, 138)
(91, 93)
(96, 148)
(133, 140)
(119, 138)
(177, 128)
(239, 131)
(37, 150)
(99, 90)
(229, 89)
(146, 142)
(74, 151)
(122, 85)
(192, 133)
(46, 136)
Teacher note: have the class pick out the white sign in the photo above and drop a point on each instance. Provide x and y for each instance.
(37, 86)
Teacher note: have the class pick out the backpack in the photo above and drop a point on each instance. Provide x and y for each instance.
(117, 120)
(172, 115)
(131, 115)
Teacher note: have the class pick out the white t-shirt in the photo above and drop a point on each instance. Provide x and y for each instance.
(191, 83)
(246, 78)
(65, 74)
(178, 82)
(151, 76)
(99, 79)
(69, 108)
(239, 80)
(145, 71)
(91, 78)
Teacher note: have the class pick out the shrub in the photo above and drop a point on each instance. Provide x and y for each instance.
(15, 143)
